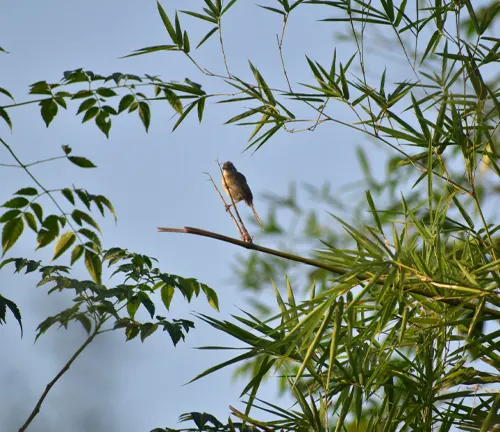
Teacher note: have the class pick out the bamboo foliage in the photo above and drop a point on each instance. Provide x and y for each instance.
(398, 330)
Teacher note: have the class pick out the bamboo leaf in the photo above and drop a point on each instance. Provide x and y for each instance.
(167, 24)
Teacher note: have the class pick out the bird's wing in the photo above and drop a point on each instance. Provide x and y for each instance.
(246, 189)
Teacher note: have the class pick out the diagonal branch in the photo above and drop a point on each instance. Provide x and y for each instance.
(65, 368)
(253, 246)
(334, 269)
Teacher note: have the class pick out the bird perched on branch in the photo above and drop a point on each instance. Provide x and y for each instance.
(236, 186)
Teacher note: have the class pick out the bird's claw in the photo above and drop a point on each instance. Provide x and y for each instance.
(228, 206)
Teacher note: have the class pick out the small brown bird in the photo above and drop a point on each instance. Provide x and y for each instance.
(236, 182)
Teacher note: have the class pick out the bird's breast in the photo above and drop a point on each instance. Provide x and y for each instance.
(230, 180)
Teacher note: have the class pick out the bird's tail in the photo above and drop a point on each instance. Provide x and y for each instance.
(257, 217)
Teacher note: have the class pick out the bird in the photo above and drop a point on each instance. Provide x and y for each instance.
(236, 187)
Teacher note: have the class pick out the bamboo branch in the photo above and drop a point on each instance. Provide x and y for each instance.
(334, 269)
(253, 246)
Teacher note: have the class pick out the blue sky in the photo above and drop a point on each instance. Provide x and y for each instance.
(153, 179)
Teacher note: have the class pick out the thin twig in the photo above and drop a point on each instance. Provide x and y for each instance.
(46, 160)
(23, 103)
(65, 368)
(222, 48)
(228, 208)
(280, 49)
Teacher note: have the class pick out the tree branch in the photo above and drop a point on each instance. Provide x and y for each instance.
(51, 384)
(253, 246)
(334, 269)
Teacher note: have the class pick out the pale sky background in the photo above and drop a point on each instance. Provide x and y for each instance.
(153, 180)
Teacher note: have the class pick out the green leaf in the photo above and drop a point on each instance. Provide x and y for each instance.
(463, 212)
(271, 9)
(109, 109)
(206, 37)
(81, 94)
(132, 306)
(9, 215)
(102, 199)
(167, 292)
(145, 114)
(211, 296)
(103, 122)
(49, 231)
(200, 16)
(92, 236)
(93, 265)
(81, 162)
(132, 332)
(345, 84)
(7, 261)
(86, 104)
(45, 237)
(201, 108)
(48, 110)
(147, 303)
(37, 209)
(76, 253)
(246, 114)
(263, 121)
(186, 44)
(6, 117)
(66, 149)
(125, 102)
(374, 211)
(178, 30)
(192, 89)
(173, 100)
(105, 92)
(492, 417)
(184, 114)
(84, 197)
(6, 93)
(61, 102)
(30, 191)
(212, 7)
(232, 2)
(18, 202)
(12, 230)
(63, 244)
(90, 114)
(31, 221)
(68, 195)
(147, 329)
(167, 23)
(149, 50)
(85, 322)
(262, 84)
(80, 216)
(6, 303)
